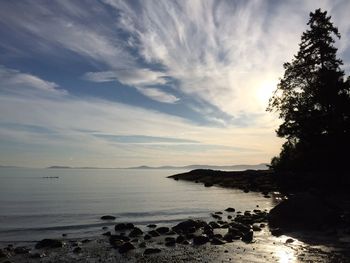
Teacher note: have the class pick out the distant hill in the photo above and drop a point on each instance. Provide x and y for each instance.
(239, 167)
(9, 166)
(261, 166)
(59, 167)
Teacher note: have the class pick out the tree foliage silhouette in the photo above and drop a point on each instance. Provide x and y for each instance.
(313, 99)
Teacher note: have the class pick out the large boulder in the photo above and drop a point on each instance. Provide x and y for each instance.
(135, 232)
(200, 240)
(188, 226)
(302, 212)
(163, 230)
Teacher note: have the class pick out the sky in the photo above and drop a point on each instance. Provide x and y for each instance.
(109, 83)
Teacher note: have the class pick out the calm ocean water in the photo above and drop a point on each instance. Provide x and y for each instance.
(34, 207)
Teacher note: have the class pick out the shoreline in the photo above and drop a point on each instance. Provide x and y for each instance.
(249, 245)
(238, 236)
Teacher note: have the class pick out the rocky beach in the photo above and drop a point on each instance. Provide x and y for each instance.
(256, 235)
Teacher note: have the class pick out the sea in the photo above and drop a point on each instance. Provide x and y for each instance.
(51, 203)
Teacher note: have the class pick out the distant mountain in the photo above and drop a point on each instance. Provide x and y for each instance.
(261, 166)
(59, 167)
(9, 166)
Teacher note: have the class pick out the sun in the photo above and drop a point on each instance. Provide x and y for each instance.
(265, 91)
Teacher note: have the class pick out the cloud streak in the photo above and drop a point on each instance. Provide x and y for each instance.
(15, 81)
(143, 80)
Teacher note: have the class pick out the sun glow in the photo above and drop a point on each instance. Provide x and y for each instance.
(285, 256)
(265, 91)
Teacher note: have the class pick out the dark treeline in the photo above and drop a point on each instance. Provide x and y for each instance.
(313, 100)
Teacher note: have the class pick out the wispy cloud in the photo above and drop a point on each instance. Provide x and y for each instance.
(15, 81)
(143, 80)
(227, 54)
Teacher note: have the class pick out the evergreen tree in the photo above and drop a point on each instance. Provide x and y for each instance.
(313, 99)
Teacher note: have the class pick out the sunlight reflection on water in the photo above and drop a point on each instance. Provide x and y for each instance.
(286, 255)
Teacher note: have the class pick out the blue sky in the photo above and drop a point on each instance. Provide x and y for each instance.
(121, 83)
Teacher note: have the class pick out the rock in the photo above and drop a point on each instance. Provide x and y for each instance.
(276, 232)
(123, 226)
(108, 234)
(105, 228)
(152, 226)
(112, 238)
(229, 217)
(218, 213)
(86, 241)
(2, 254)
(49, 243)
(248, 237)
(142, 245)
(189, 236)
(154, 233)
(117, 243)
(180, 239)
(200, 240)
(21, 250)
(151, 251)
(77, 250)
(135, 232)
(129, 226)
(185, 242)
(235, 231)
(240, 226)
(216, 216)
(217, 241)
(214, 225)
(170, 241)
(162, 230)
(208, 184)
(256, 228)
(64, 235)
(120, 227)
(126, 247)
(108, 217)
(185, 226)
(147, 237)
(229, 237)
(289, 240)
(192, 230)
(302, 212)
(208, 231)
